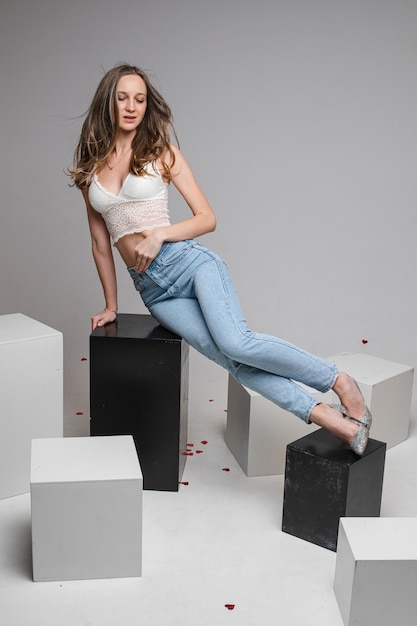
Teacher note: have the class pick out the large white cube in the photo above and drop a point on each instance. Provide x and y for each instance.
(376, 571)
(387, 388)
(258, 431)
(86, 497)
(31, 395)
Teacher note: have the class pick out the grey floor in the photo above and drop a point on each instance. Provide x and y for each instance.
(215, 542)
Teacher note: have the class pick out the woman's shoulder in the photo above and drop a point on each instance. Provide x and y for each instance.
(168, 164)
(169, 154)
(173, 159)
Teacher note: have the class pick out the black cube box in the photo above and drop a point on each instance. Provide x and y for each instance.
(139, 386)
(325, 480)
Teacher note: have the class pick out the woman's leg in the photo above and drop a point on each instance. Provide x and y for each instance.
(220, 307)
(188, 270)
(184, 317)
(264, 363)
(332, 420)
(270, 354)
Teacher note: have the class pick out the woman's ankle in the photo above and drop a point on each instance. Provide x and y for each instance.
(333, 421)
(350, 395)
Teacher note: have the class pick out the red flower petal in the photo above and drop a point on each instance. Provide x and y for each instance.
(226, 469)
(204, 442)
(189, 454)
(199, 451)
(230, 607)
(83, 359)
(184, 483)
(79, 413)
(190, 445)
(211, 400)
(364, 341)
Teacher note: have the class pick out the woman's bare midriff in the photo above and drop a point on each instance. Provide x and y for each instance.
(126, 247)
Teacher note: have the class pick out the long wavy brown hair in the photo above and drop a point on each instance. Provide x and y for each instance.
(99, 130)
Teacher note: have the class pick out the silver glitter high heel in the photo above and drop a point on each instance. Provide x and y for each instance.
(366, 418)
(360, 438)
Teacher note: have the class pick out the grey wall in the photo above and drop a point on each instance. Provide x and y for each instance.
(298, 117)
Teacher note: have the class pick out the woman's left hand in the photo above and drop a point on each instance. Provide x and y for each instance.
(147, 249)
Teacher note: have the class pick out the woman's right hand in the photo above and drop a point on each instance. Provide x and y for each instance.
(104, 317)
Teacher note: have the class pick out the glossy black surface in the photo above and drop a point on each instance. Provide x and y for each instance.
(325, 480)
(135, 326)
(139, 386)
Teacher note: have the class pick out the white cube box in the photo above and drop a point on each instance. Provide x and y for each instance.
(258, 431)
(376, 571)
(86, 499)
(387, 388)
(31, 395)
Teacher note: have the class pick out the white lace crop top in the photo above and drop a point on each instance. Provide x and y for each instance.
(141, 204)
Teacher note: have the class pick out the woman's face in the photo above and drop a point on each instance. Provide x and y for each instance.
(131, 101)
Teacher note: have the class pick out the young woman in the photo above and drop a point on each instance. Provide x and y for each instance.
(123, 165)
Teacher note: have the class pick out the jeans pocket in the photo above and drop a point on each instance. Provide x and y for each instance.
(172, 252)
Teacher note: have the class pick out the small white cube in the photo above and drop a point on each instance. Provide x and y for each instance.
(258, 431)
(387, 387)
(376, 571)
(86, 497)
(31, 397)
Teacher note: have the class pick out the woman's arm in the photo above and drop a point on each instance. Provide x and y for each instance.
(202, 222)
(103, 257)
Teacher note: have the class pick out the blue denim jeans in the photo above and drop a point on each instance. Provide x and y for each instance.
(188, 290)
